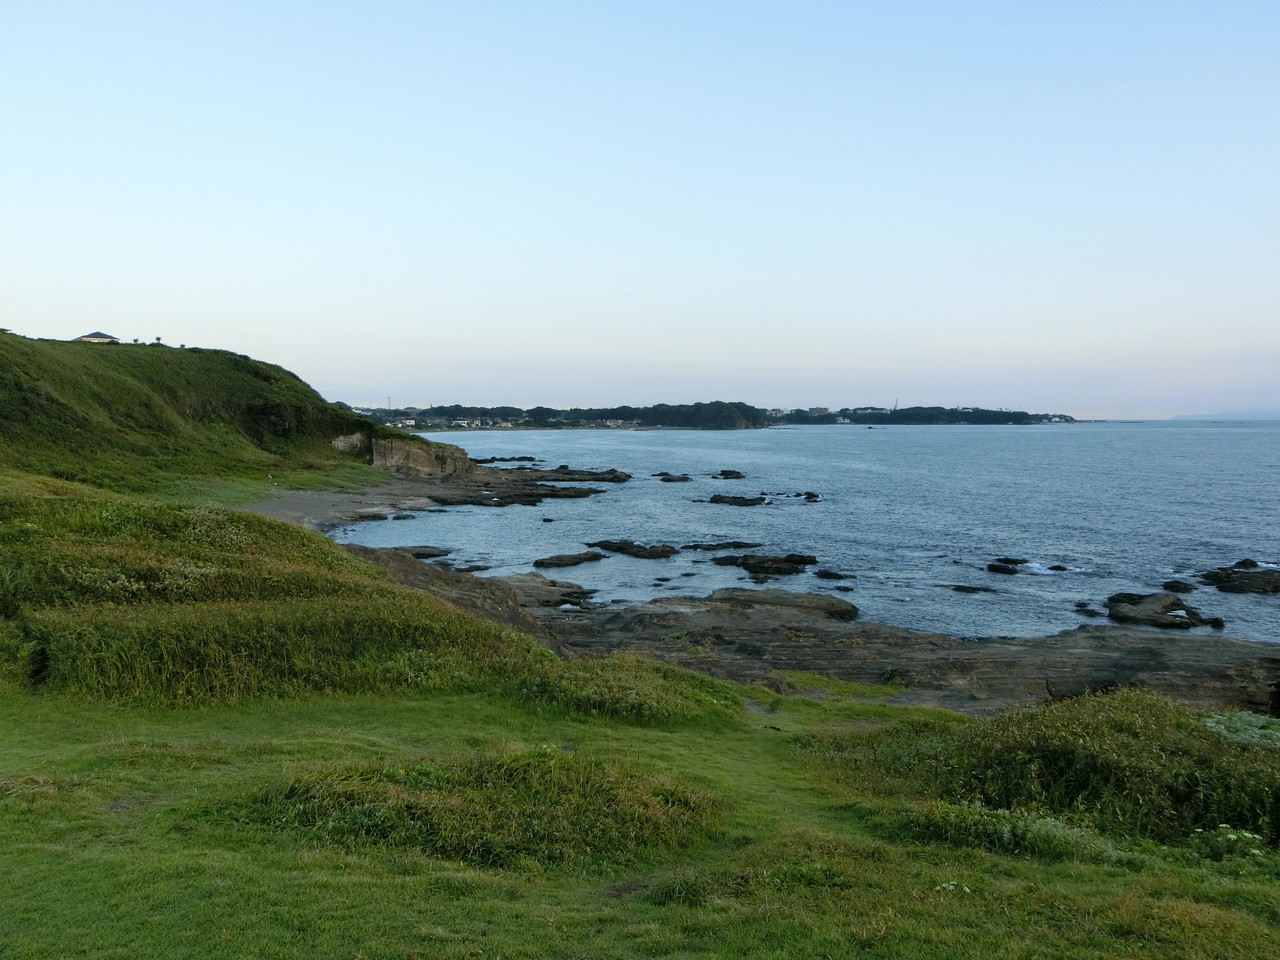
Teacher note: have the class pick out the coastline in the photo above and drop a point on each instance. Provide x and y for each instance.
(325, 510)
(751, 635)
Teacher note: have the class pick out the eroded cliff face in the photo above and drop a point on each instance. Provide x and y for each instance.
(407, 457)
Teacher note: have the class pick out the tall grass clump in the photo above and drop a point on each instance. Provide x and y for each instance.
(626, 687)
(1001, 831)
(1130, 763)
(202, 653)
(533, 808)
(78, 547)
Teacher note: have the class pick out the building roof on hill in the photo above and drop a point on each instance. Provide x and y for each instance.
(99, 337)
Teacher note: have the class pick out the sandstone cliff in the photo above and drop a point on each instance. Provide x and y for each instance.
(407, 456)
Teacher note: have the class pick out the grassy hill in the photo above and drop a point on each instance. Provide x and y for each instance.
(144, 417)
(222, 736)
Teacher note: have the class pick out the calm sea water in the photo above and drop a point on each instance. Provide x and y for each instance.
(910, 511)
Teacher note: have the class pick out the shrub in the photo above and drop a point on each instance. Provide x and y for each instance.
(195, 653)
(1002, 831)
(1131, 763)
(539, 807)
(626, 687)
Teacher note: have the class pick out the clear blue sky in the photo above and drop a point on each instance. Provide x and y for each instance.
(1062, 207)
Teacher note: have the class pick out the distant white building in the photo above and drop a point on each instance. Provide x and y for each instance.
(98, 337)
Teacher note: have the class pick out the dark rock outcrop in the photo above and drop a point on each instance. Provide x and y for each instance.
(539, 594)
(502, 488)
(1006, 568)
(675, 478)
(1178, 586)
(729, 475)
(1164, 610)
(765, 565)
(736, 501)
(426, 553)
(632, 549)
(565, 473)
(569, 559)
(726, 545)
(1244, 576)
(746, 635)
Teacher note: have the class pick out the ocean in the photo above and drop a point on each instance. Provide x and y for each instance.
(910, 512)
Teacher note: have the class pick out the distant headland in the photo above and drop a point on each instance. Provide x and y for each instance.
(716, 415)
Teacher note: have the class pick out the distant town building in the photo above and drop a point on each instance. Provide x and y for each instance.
(99, 337)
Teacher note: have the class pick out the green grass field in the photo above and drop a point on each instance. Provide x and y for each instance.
(139, 831)
(222, 736)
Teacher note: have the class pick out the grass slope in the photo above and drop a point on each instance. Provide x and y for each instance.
(140, 417)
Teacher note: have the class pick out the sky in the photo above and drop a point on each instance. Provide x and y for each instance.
(1054, 207)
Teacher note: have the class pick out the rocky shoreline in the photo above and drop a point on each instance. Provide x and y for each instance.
(750, 635)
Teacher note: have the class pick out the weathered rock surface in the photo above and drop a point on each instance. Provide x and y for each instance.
(408, 456)
(674, 477)
(426, 553)
(564, 472)
(633, 549)
(1244, 576)
(569, 559)
(535, 591)
(502, 488)
(729, 475)
(760, 564)
(1164, 610)
(746, 635)
(726, 545)
(736, 501)
(487, 597)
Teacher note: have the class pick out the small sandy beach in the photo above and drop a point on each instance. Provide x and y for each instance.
(325, 509)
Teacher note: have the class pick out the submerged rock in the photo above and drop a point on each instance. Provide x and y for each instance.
(1244, 576)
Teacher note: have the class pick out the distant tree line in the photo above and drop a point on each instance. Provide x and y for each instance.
(716, 415)
(921, 415)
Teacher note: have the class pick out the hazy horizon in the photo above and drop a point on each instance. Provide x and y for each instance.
(1057, 208)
